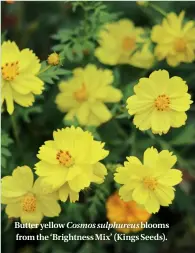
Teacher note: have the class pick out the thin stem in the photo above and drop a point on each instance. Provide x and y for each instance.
(157, 8)
(15, 130)
(43, 70)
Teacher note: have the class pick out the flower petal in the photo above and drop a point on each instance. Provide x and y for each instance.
(171, 178)
(140, 194)
(13, 210)
(152, 205)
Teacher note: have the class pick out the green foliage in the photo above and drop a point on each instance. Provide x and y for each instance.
(6, 141)
(49, 74)
(81, 40)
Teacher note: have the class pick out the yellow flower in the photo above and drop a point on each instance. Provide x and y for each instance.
(175, 39)
(159, 102)
(27, 200)
(84, 95)
(149, 184)
(53, 59)
(118, 41)
(143, 57)
(70, 162)
(121, 212)
(18, 76)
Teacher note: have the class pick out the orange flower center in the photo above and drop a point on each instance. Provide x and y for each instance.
(180, 45)
(150, 183)
(81, 94)
(128, 43)
(10, 71)
(162, 103)
(29, 203)
(65, 158)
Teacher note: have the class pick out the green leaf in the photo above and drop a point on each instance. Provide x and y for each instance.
(185, 137)
(50, 73)
(6, 141)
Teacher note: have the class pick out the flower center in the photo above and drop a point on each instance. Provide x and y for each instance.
(81, 94)
(65, 158)
(162, 103)
(10, 71)
(128, 43)
(150, 183)
(29, 203)
(180, 45)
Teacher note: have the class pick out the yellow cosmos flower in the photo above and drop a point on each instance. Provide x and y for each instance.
(159, 102)
(18, 76)
(70, 162)
(175, 39)
(149, 184)
(121, 212)
(119, 41)
(26, 199)
(84, 95)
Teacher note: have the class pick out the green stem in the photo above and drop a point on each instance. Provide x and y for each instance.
(43, 70)
(15, 130)
(157, 8)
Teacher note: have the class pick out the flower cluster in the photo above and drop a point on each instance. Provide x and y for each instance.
(72, 160)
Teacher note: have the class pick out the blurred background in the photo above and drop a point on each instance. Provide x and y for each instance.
(36, 25)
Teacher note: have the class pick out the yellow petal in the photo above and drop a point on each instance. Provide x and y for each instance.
(181, 104)
(26, 83)
(164, 194)
(152, 204)
(23, 100)
(48, 154)
(140, 194)
(49, 205)
(8, 96)
(10, 52)
(164, 162)
(28, 62)
(24, 178)
(99, 172)
(143, 120)
(101, 112)
(134, 160)
(171, 178)
(178, 119)
(160, 122)
(64, 192)
(150, 157)
(33, 218)
(161, 79)
(137, 105)
(125, 193)
(109, 94)
(79, 183)
(13, 210)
